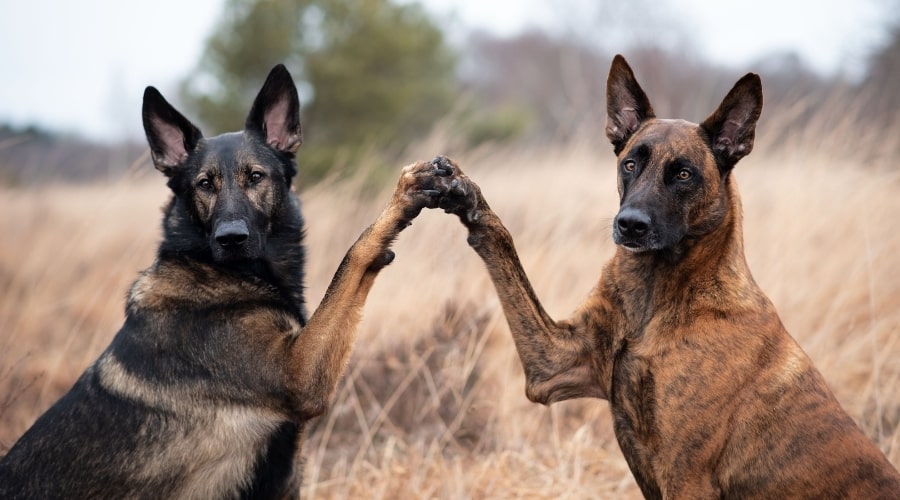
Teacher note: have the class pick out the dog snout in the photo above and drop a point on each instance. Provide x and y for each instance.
(232, 234)
(632, 223)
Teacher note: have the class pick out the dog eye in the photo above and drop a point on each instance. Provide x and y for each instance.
(256, 177)
(205, 184)
(628, 165)
(684, 174)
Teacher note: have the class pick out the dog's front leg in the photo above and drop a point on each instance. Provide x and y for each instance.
(321, 351)
(561, 359)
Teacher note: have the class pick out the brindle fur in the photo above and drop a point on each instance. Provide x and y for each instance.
(710, 396)
(205, 390)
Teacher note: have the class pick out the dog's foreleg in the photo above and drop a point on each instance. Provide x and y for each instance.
(323, 347)
(560, 359)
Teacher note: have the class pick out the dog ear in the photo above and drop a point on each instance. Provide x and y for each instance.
(627, 106)
(170, 135)
(732, 127)
(275, 114)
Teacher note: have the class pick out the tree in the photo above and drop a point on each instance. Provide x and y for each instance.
(373, 75)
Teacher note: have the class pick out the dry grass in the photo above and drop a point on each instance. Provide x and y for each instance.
(433, 403)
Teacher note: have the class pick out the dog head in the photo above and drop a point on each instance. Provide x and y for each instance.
(228, 189)
(672, 173)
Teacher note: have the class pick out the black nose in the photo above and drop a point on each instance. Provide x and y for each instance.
(232, 233)
(632, 222)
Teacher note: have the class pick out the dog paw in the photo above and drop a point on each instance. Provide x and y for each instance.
(439, 183)
(421, 186)
(460, 195)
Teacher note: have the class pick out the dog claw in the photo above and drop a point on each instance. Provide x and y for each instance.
(431, 192)
(442, 166)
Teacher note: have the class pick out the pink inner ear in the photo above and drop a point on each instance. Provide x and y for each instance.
(172, 140)
(629, 119)
(276, 124)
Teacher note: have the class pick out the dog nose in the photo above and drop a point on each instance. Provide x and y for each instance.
(232, 233)
(632, 222)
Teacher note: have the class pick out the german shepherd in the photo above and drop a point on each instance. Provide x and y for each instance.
(205, 390)
(710, 395)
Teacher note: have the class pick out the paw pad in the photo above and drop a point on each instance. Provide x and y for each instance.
(442, 166)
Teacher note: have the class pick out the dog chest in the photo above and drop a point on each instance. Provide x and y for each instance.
(216, 453)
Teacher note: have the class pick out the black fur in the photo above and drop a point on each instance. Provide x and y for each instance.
(185, 372)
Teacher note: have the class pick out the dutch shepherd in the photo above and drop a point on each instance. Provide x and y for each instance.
(710, 395)
(205, 390)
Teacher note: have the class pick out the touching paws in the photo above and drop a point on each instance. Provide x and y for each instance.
(438, 183)
(422, 184)
(457, 194)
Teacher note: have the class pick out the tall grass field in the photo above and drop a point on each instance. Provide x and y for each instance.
(433, 402)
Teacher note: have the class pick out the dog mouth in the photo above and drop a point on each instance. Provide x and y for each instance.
(651, 242)
(633, 244)
(224, 254)
(634, 247)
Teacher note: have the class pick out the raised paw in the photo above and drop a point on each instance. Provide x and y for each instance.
(438, 183)
(425, 182)
(461, 196)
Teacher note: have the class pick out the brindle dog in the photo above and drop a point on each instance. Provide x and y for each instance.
(710, 395)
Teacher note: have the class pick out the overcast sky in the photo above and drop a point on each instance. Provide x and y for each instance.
(81, 66)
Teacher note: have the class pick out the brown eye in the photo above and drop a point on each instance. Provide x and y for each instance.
(205, 185)
(256, 177)
(628, 165)
(684, 174)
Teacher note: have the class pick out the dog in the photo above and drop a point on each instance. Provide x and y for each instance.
(709, 394)
(205, 390)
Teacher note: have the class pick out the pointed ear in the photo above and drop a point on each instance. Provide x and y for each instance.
(732, 127)
(627, 106)
(275, 114)
(170, 135)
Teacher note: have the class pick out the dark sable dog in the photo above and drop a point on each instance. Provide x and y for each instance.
(710, 396)
(205, 390)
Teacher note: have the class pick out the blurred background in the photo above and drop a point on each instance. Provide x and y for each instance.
(433, 402)
(376, 75)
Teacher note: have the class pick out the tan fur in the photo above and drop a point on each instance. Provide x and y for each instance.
(710, 395)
